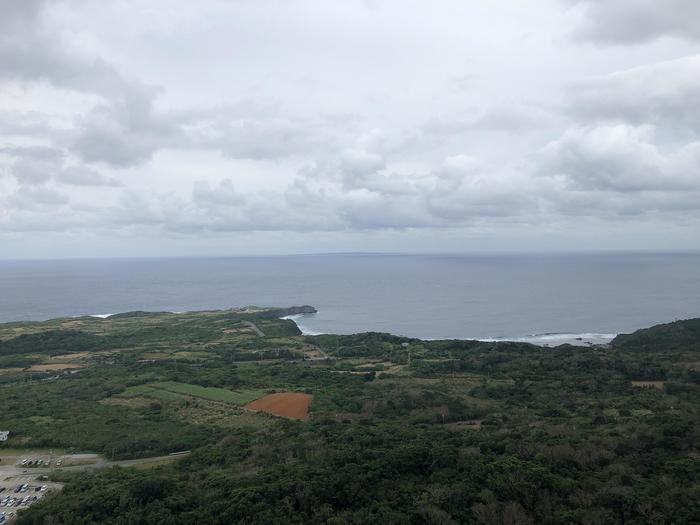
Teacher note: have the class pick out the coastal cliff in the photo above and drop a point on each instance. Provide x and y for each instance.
(284, 312)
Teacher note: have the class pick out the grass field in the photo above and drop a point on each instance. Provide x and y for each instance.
(150, 392)
(171, 391)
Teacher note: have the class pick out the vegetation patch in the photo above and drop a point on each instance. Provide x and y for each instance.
(130, 402)
(156, 355)
(648, 384)
(469, 432)
(217, 413)
(55, 366)
(239, 397)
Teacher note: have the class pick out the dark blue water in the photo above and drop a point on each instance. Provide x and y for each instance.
(429, 296)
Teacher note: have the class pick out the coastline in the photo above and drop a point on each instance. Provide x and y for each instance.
(583, 339)
(549, 339)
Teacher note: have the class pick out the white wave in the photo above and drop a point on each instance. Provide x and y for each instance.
(555, 339)
(304, 330)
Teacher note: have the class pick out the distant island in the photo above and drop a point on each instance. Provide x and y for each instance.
(234, 416)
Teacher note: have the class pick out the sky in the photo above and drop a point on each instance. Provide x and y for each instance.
(233, 127)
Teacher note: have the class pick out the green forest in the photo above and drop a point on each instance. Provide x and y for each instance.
(399, 430)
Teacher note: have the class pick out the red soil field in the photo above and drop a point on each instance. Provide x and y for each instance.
(294, 405)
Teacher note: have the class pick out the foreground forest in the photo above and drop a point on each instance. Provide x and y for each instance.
(400, 431)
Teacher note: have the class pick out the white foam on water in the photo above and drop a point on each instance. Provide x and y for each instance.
(304, 330)
(555, 339)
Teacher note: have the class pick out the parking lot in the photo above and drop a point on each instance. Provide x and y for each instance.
(24, 474)
(24, 480)
(20, 494)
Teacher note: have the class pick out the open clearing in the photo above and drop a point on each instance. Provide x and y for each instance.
(171, 390)
(293, 405)
(47, 368)
(157, 356)
(23, 485)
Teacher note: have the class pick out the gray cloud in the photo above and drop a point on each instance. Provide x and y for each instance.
(82, 176)
(19, 15)
(664, 93)
(31, 50)
(621, 158)
(509, 119)
(193, 123)
(258, 137)
(37, 165)
(122, 134)
(637, 21)
(458, 192)
(41, 197)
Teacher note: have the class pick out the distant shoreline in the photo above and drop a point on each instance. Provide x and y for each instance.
(585, 339)
(553, 339)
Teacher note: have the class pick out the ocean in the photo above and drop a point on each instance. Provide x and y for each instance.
(539, 298)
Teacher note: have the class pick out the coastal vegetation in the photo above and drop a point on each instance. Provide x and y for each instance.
(399, 430)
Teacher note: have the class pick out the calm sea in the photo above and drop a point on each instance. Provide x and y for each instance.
(427, 296)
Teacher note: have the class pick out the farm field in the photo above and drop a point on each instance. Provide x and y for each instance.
(294, 405)
(215, 394)
(171, 390)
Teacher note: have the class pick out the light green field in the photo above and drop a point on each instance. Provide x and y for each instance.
(172, 391)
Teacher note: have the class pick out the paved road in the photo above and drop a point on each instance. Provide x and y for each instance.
(91, 461)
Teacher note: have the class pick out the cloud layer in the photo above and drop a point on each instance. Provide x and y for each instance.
(159, 121)
(637, 21)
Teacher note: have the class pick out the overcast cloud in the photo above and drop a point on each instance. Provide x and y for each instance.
(164, 127)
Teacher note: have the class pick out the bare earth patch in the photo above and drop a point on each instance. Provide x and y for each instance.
(158, 356)
(293, 405)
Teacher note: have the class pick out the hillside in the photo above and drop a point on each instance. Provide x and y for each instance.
(366, 428)
(679, 335)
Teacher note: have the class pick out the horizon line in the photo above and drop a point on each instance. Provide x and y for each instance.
(691, 251)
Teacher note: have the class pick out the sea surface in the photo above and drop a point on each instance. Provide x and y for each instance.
(540, 298)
